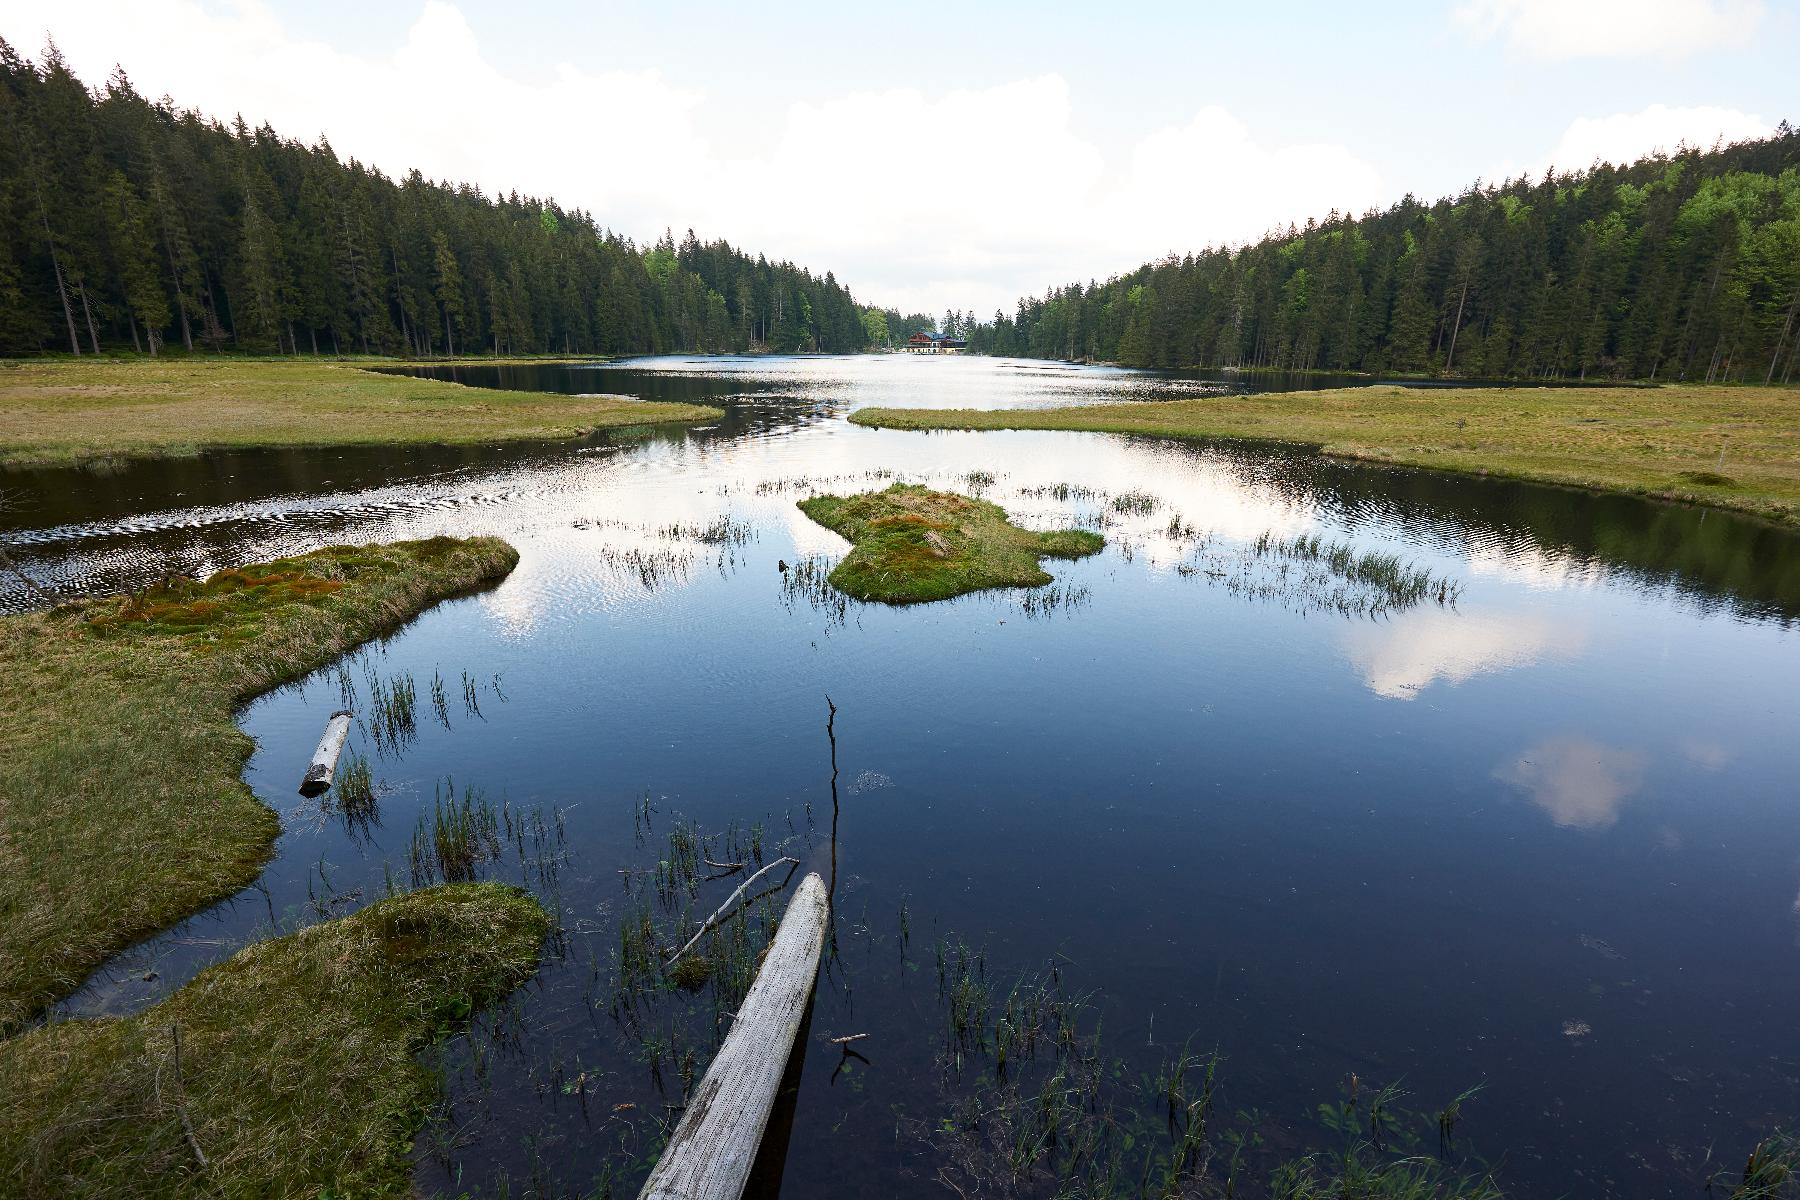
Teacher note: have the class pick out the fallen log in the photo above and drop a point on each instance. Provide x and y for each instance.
(317, 780)
(710, 1154)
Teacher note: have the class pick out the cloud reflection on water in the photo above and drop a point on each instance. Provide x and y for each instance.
(1400, 657)
(1578, 782)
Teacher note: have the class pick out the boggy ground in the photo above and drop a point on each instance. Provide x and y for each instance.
(913, 544)
(288, 1070)
(122, 803)
(75, 410)
(1730, 447)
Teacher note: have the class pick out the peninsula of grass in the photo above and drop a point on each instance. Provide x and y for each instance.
(58, 412)
(122, 803)
(1663, 442)
(912, 544)
(288, 1070)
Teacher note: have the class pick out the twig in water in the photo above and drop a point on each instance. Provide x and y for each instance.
(723, 910)
(718, 866)
(854, 1037)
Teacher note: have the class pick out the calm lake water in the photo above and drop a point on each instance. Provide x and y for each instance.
(1543, 839)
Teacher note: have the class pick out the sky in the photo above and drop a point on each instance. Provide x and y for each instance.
(957, 157)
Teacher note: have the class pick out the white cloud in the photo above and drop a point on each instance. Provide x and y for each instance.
(952, 218)
(1563, 29)
(1626, 137)
(1211, 178)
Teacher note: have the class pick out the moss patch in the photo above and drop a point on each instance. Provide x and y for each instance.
(296, 1071)
(913, 544)
(1662, 442)
(122, 802)
(56, 412)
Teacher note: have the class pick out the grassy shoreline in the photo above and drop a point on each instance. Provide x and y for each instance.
(122, 801)
(290, 1067)
(913, 544)
(1662, 443)
(56, 412)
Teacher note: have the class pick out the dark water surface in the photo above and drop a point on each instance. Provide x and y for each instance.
(1543, 839)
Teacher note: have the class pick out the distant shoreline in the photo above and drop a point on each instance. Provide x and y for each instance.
(1662, 443)
(67, 412)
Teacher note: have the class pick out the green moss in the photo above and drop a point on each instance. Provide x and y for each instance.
(296, 1064)
(691, 973)
(913, 544)
(122, 802)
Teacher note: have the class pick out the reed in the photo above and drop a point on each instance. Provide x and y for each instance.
(460, 834)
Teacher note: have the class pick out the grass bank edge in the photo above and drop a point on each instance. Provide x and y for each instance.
(289, 1069)
(123, 807)
(1554, 439)
(70, 412)
(911, 545)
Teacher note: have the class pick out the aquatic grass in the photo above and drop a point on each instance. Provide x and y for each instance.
(1772, 1172)
(1033, 1106)
(1401, 584)
(723, 530)
(654, 568)
(1047, 601)
(122, 802)
(1306, 573)
(289, 1069)
(808, 581)
(391, 717)
(440, 700)
(912, 545)
(1135, 503)
(353, 796)
(1060, 491)
(460, 834)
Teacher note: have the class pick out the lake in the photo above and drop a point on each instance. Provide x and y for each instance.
(1540, 838)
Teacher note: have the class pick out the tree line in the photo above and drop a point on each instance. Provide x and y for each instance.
(127, 223)
(1683, 267)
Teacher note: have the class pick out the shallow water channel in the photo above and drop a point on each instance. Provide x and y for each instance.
(1541, 838)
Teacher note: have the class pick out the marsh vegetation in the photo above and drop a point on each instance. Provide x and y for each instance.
(104, 409)
(912, 544)
(114, 825)
(287, 1070)
(1728, 447)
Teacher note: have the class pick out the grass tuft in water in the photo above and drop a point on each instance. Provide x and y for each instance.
(460, 834)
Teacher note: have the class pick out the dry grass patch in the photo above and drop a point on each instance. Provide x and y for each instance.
(122, 802)
(913, 544)
(1663, 442)
(288, 1070)
(55, 412)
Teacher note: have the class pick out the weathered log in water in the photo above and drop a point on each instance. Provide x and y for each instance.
(710, 1154)
(317, 780)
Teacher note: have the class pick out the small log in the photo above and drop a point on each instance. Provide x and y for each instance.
(709, 1155)
(324, 759)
